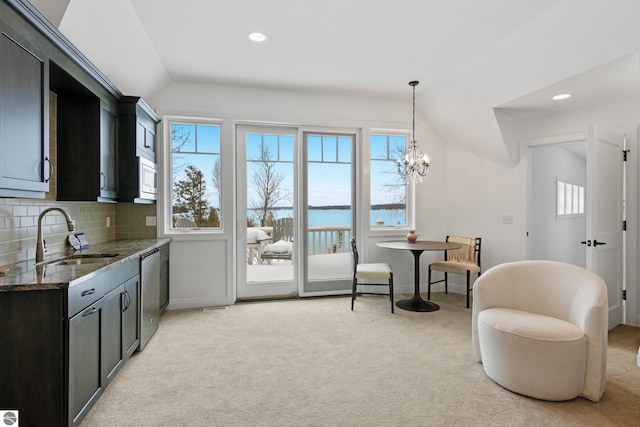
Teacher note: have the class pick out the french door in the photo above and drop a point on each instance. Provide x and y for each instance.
(266, 253)
(295, 211)
(329, 211)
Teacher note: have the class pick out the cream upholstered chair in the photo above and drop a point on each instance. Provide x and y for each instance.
(369, 271)
(465, 261)
(540, 329)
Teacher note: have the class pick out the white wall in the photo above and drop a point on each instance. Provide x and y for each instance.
(480, 192)
(551, 237)
(463, 194)
(203, 268)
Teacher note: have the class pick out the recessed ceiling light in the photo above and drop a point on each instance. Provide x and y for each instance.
(562, 96)
(257, 36)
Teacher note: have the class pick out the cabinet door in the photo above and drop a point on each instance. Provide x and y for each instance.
(112, 352)
(85, 374)
(108, 165)
(130, 320)
(164, 276)
(146, 138)
(24, 118)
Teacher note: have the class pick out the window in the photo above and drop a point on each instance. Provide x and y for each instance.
(269, 178)
(388, 189)
(196, 187)
(569, 199)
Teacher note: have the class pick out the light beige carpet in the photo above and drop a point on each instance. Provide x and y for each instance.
(313, 362)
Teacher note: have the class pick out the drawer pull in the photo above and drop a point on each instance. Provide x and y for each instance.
(89, 312)
(88, 292)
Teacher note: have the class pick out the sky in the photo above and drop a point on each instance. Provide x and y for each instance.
(330, 166)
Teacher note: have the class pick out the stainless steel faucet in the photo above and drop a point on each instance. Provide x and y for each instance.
(40, 242)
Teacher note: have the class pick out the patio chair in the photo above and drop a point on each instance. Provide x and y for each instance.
(282, 237)
(256, 239)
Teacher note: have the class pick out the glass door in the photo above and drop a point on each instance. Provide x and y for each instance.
(266, 227)
(328, 215)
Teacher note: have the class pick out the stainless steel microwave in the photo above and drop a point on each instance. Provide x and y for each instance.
(148, 179)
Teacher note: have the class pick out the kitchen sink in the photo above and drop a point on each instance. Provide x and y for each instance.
(83, 259)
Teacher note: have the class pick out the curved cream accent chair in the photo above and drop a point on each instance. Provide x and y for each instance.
(540, 329)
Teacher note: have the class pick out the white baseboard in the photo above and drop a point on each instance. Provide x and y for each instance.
(190, 303)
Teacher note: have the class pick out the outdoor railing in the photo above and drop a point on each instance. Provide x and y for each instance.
(326, 239)
(329, 239)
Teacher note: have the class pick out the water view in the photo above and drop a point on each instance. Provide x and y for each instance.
(320, 217)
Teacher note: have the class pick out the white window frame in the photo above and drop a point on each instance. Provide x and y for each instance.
(167, 157)
(570, 199)
(409, 188)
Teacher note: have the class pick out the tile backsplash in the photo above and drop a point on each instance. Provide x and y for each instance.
(19, 225)
(19, 217)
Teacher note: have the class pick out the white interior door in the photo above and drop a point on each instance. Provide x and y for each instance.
(604, 215)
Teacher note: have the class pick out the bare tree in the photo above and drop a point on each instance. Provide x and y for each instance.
(268, 183)
(216, 178)
(397, 186)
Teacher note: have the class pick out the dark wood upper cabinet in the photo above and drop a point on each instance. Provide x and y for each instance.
(136, 139)
(86, 141)
(25, 168)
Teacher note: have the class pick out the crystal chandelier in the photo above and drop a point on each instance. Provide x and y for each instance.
(415, 164)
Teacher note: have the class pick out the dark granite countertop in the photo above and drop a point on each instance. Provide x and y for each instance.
(26, 276)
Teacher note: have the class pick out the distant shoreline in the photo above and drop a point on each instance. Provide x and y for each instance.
(387, 206)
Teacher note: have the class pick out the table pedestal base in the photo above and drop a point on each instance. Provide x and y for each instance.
(417, 304)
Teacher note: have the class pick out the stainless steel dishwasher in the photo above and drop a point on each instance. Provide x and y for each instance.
(150, 295)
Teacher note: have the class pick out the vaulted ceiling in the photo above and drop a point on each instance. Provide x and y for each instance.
(481, 64)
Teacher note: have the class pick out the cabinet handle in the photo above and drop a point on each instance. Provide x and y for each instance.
(89, 312)
(88, 292)
(47, 179)
(103, 180)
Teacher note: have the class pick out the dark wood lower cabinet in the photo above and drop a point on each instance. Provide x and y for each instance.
(122, 328)
(164, 276)
(33, 356)
(60, 348)
(85, 374)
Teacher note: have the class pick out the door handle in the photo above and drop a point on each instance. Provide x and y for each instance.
(588, 243)
(596, 243)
